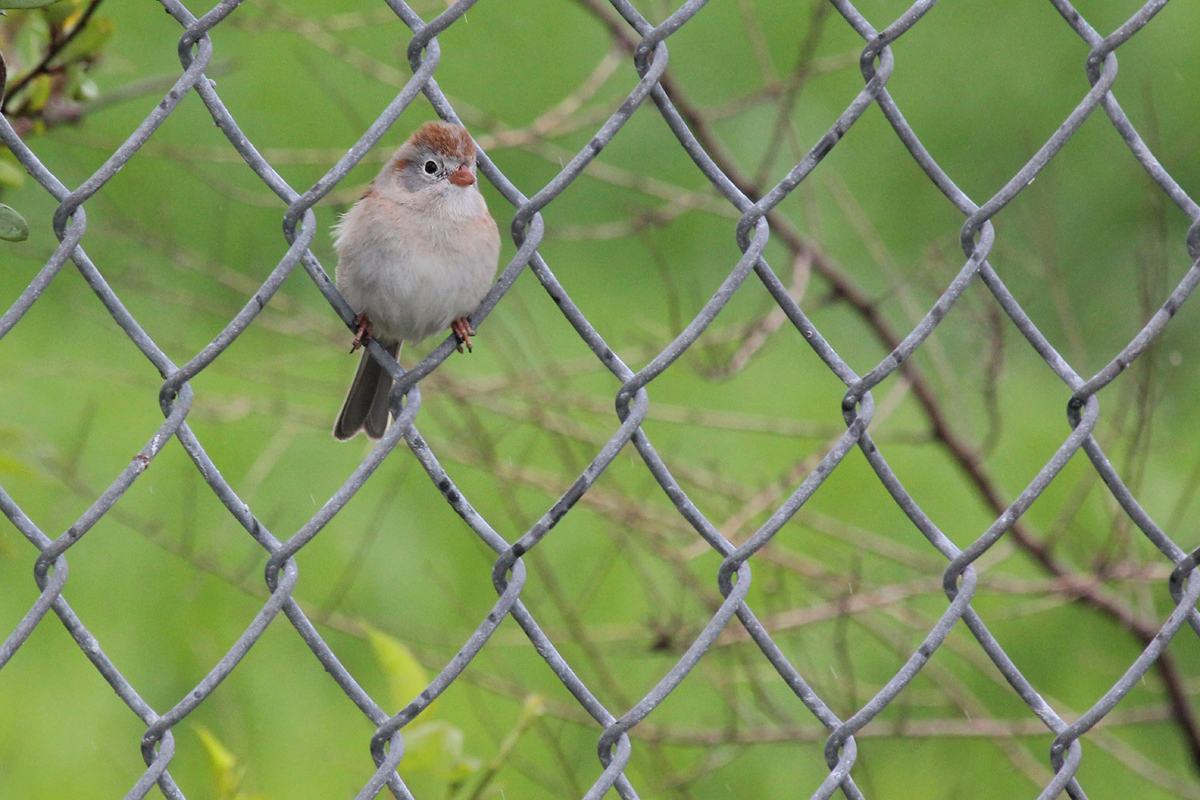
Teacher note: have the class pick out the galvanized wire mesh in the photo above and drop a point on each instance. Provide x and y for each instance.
(650, 56)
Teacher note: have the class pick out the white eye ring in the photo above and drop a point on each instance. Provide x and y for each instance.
(431, 167)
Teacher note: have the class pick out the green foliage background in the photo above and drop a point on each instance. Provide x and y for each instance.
(185, 232)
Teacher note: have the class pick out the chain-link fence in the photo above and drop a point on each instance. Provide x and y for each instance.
(617, 728)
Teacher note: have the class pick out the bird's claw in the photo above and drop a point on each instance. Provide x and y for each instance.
(363, 333)
(463, 330)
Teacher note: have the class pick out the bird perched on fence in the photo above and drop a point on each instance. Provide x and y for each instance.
(416, 254)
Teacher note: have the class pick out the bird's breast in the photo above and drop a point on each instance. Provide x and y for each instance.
(414, 270)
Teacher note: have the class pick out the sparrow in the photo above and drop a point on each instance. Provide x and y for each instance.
(416, 254)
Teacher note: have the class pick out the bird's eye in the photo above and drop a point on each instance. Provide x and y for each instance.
(431, 167)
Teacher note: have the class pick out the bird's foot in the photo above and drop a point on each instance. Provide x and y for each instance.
(463, 330)
(362, 333)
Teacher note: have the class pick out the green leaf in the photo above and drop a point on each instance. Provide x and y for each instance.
(13, 227)
(28, 45)
(25, 3)
(405, 676)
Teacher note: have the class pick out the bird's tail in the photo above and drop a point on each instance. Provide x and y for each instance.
(366, 406)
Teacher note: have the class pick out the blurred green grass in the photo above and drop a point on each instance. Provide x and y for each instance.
(185, 232)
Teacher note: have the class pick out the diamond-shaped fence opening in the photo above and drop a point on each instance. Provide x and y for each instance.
(699, 533)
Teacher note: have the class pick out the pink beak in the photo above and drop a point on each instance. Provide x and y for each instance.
(462, 176)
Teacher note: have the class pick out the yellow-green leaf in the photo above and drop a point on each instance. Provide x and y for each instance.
(12, 175)
(57, 14)
(13, 466)
(87, 43)
(222, 764)
(38, 93)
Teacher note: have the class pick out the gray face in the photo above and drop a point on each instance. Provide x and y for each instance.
(427, 168)
(424, 170)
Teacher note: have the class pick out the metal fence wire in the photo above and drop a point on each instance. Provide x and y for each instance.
(650, 56)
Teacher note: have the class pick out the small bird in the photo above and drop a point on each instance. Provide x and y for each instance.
(416, 254)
